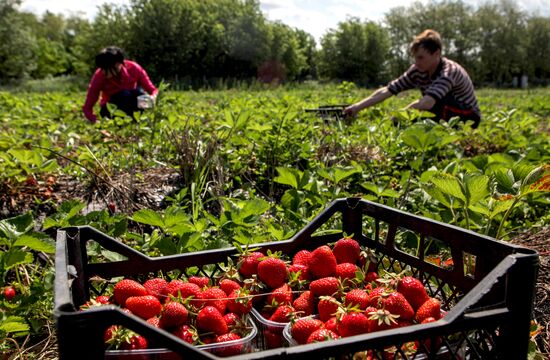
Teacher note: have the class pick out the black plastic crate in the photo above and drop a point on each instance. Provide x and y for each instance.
(487, 286)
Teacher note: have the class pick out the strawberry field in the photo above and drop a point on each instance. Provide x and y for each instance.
(222, 169)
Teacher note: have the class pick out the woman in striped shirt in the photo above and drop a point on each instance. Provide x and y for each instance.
(447, 90)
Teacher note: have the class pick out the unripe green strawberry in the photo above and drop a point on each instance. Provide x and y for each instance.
(145, 306)
(320, 335)
(272, 272)
(431, 308)
(209, 319)
(126, 288)
(322, 262)
(326, 286)
(353, 323)
(413, 290)
(303, 328)
(346, 250)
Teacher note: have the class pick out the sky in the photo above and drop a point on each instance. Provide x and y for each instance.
(314, 16)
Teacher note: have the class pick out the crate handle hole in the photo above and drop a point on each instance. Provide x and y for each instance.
(469, 264)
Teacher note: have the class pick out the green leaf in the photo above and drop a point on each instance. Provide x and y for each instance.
(36, 244)
(288, 176)
(501, 206)
(449, 185)
(477, 187)
(14, 227)
(148, 217)
(14, 325)
(18, 257)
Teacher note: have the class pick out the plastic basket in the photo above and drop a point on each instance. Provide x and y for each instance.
(270, 333)
(488, 287)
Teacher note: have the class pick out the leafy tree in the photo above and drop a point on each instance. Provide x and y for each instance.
(538, 47)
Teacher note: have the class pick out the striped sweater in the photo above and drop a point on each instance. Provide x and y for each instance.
(450, 79)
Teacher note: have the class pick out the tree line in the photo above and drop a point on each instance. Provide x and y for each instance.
(202, 41)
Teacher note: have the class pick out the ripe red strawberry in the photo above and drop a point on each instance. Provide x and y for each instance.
(145, 306)
(332, 324)
(135, 342)
(428, 342)
(109, 334)
(239, 302)
(248, 264)
(302, 257)
(213, 297)
(282, 314)
(229, 350)
(358, 298)
(322, 262)
(431, 308)
(273, 339)
(303, 328)
(184, 289)
(9, 293)
(126, 288)
(209, 319)
(201, 281)
(280, 296)
(231, 319)
(305, 303)
(272, 272)
(322, 335)
(156, 287)
(346, 271)
(187, 334)
(327, 307)
(155, 321)
(370, 277)
(173, 314)
(103, 299)
(346, 250)
(228, 285)
(413, 290)
(353, 323)
(396, 304)
(302, 271)
(379, 319)
(376, 296)
(326, 286)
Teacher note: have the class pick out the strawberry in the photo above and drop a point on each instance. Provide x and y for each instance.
(379, 319)
(145, 306)
(327, 307)
(9, 293)
(229, 350)
(428, 342)
(358, 298)
(156, 287)
(396, 304)
(322, 335)
(305, 303)
(134, 342)
(332, 324)
(103, 299)
(301, 271)
(326, 286)
(302, 257)
(304, 327)
(228, 285)
(370, 277)
(126, 288)
(213, 297)
(273, 339)
(209, 319)
(231, 319)
(239, 302)
(272, 272)
(187, 334)
(353, 323)
(346, 271)
(375, 296)
(200, 281)
(174, 314)
(413, 290)
(346, 250)
(280, 296)
(431, 308)
(155, 321)
(109, 333)
(184, 289)
(322, 262)
(248, 264)
(282, 314)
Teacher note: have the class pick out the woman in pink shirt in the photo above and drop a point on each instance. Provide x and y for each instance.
(119, 82)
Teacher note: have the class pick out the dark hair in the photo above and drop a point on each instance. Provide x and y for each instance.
(428, 39)
(109, 57)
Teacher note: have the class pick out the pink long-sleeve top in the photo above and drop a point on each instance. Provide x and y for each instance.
(131, 76)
